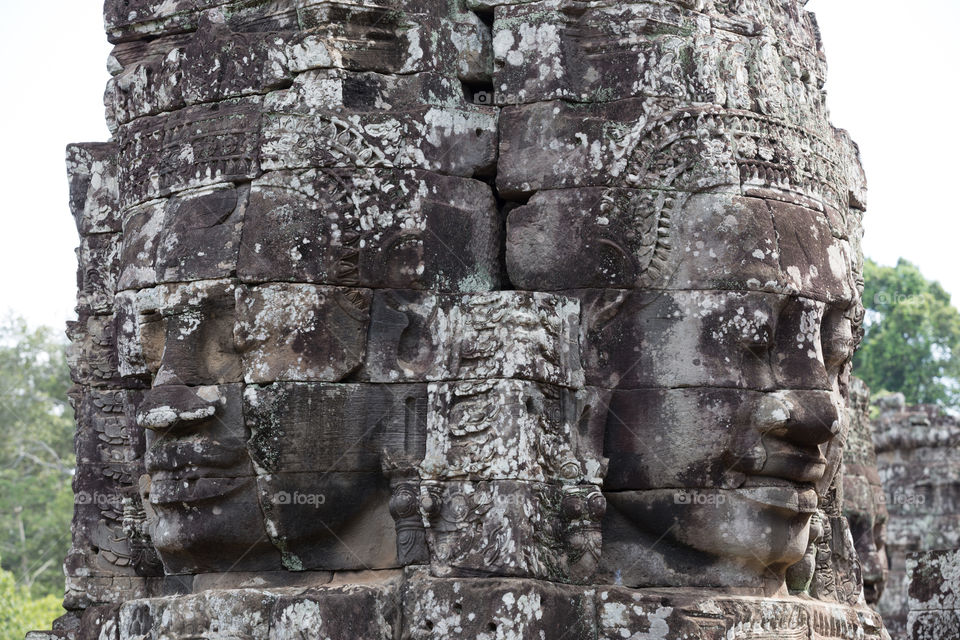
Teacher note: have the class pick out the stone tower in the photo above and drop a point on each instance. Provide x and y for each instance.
(465, 319)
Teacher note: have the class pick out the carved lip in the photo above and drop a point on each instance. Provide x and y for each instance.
(171, 491)
(792, 463)
(193, 458)
(795, 497)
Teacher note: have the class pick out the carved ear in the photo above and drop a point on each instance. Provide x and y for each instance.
(601, 310)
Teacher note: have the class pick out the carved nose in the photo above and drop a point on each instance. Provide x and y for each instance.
(806, 418)
(171, 406)
(874, 566)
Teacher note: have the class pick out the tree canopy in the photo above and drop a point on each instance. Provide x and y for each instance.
(911, 342)
(36, 458)
(21, 612)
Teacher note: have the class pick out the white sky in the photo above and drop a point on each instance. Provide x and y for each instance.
(892, 83)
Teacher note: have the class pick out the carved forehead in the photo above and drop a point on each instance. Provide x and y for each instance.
(666, 240)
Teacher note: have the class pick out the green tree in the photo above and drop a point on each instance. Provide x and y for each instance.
(36, 457)
(911, 341)
(21, 612)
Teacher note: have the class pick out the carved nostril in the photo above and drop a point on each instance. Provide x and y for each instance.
(169, 406)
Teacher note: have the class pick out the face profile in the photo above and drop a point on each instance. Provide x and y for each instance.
(722, 310)
(864, 498)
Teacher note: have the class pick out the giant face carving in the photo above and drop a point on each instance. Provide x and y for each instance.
(247, 275)
(722, 311)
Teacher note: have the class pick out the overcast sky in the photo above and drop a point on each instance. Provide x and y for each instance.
(892, 83)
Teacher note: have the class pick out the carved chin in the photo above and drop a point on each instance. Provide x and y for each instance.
(211, 535)
(756, 532)
(757, 527)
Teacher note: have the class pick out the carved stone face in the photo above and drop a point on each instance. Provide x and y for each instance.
(865, 508)
(202, 489)
(728, 401)
(269, 475)
(864, 500)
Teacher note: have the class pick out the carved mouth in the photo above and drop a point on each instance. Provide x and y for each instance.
(793, 463)
(795, 497)
(193, 458)
(186, 490)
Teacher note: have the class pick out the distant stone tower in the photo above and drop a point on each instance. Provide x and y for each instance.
(918, 454)
(465, 319)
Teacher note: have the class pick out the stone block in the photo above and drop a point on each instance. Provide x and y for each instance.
(700, 614)
(107, 431)
(730, 440)
(92, 174)
(127, 20)
(621, 238)
(390, 41)
(197, 146)
(650, 144)
(933, 625)
(142, 229)
(91, 592)
(489, 608)
(602, 53)
(632, 238)
(313, 124)
(98, 268)
(513, 430)
(933, 580)
(332, 612)
(92, 354)
(509, 334)
(219, 63)
(512, 528)
(811, 257)
(145, 87)
(241, 613)
(319, 427)
(745, 340)
(185, 443)
(200, 238)
(555, 145)
(683, 52)
(329, 520)
(301, 331)
(371, 228)
(197, 324)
